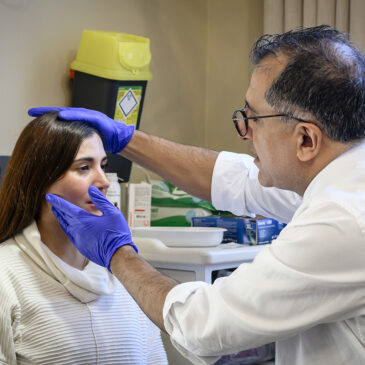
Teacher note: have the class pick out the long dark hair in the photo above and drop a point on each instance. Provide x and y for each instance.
(44, 151)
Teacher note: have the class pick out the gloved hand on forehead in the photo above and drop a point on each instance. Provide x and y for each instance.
(115, 135)
(96, 237)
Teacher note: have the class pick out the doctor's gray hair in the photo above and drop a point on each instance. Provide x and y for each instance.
(324, 77)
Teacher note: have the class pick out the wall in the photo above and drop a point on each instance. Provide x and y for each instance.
(233, 26)
(199, 61)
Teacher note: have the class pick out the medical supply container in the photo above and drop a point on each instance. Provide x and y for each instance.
(113, 193)
(246, 230)
(110, 74)
(139, 205)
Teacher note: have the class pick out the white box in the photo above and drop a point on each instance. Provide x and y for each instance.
(139, 205)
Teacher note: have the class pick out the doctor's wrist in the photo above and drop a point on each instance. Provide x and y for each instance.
(121, 254)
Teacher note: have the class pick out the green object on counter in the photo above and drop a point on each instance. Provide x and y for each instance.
(176, 216)
(171, 206)
(165, 194)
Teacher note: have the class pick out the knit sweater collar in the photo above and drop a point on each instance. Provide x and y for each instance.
(85, 285)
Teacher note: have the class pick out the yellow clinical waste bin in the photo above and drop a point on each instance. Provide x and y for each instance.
(110, 74)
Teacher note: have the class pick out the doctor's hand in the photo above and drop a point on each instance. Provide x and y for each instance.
(96, 237)
(115, 135)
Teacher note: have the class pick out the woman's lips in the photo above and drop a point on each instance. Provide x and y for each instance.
(92, 208)
(91, 205)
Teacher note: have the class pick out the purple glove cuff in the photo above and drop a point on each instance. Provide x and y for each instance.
(111, 252)
(122, 138)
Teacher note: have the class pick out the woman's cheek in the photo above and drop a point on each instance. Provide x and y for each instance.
(75, 191)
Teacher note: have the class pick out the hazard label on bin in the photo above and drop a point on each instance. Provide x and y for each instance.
(127, 105)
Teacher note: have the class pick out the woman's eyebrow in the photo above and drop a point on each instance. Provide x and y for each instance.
(90, 159)
(87, 159)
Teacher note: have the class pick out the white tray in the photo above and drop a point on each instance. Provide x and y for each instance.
(182, 236)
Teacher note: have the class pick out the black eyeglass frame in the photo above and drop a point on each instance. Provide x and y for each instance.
(246, 118)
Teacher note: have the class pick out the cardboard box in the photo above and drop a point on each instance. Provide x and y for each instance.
(251, 231)
(139, 205)
(261, 231)
(234, 225)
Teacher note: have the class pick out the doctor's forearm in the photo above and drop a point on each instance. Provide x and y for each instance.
(146, 285)
(188, 167)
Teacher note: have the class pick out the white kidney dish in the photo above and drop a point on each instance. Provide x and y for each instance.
(182, 236)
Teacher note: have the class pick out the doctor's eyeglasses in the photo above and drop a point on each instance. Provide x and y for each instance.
(240, 120)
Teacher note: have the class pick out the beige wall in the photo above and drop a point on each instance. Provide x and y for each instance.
(233, 26)
(199, 61)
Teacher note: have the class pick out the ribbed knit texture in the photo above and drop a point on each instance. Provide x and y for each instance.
(42, 323)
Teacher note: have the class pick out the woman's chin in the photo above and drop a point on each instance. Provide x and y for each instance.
(91, 208)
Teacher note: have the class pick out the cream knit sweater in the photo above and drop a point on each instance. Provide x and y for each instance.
(52, 313)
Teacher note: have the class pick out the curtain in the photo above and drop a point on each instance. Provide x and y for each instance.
(344, 15)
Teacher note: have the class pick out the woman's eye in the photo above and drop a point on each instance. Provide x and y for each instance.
(104, 166)
(83, 168)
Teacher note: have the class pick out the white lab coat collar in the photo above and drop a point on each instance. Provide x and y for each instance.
(351, 159)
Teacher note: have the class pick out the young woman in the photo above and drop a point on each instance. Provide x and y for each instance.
(55, 306)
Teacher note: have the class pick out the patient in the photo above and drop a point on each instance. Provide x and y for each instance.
(55, 306)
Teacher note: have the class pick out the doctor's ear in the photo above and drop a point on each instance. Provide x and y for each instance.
(309, 141)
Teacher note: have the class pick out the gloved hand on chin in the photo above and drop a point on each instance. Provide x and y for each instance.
(96, 237)
(115, 135)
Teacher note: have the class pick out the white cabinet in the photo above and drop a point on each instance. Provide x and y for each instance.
(192, 264)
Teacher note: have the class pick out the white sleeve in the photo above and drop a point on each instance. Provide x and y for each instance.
(235, 188)
(312, 274)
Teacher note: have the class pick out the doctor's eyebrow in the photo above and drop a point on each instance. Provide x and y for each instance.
(250, 107)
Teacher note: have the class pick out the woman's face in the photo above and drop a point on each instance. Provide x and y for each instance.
(88, 168)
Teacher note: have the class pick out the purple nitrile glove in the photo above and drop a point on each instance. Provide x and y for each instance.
(96, 237)
(115, 135)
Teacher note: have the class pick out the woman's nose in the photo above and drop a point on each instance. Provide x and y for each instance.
(101, 181)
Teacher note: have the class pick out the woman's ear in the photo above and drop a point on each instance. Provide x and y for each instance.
(309, 141)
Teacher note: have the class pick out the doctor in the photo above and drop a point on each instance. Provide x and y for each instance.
(304, 116)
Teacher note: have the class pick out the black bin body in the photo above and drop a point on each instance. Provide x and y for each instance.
(97, 93)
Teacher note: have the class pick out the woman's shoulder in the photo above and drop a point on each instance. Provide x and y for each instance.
(10, 259)
(7, 249)
(11, 256)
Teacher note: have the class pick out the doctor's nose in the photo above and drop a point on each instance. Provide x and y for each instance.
(249, 130)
